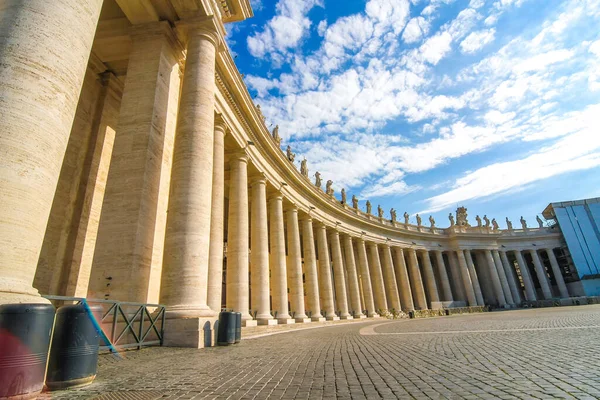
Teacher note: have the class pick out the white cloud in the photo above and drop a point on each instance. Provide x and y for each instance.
(415, 29)
(477, 40)
(436, 47)
(322, 27)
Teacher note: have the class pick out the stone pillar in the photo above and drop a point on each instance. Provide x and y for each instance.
(237, 237)
(503, 279)
(560, 282)
(446, 288)
(389, 277)
(510, 276)
(541, 274)
(341, 297)
(403, 280)
(353, 286)
(277, 261)
(466, 278)
(430, 280)
(377, 277)
(366, 279)
(474, 278)
(416, 281)
(325, 284)
(495, 278)
(294, 265)
(259, 255)
(215, 253)
(45, 46)
(526, 276)
(313, 303)
(456, 278)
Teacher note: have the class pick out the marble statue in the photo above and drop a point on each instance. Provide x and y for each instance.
(260, 112)
(478, 219)
(432, 221)
(393, 214)
(275, 133)
(368, 207)
(495, 224)
(291, 156)
(343, 192)
(523, 223)
(328, 188)
(418, 220)
(461, 216)
(406, 216)
(487, 221)
(451, 218)
(303, 168)
(354, 202)
(318, 179)
(539, 221)
(379, 211)
(509, 224)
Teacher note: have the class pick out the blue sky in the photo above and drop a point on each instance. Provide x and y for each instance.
(426, 105)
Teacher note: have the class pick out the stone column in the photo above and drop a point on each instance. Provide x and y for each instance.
(466, 278)
(510, 276)
(325, 285)
(366, 279)
(45, 46)
(495, 278)
(237, 237)
(562, 287)
(456, 278)
(430, 280)
(277, 261)
(377, 277)
(416, 281)
(259, 254)
(353, 286)
(341, 297)
(446, 288)
(215, 253)
(541, 274)
(474, 278)
(526, 276)
(294, 265)
(313, 302)
(389, 277)
(503, 279)
(403, 280)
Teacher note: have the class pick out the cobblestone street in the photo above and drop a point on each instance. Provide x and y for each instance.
(538, 353)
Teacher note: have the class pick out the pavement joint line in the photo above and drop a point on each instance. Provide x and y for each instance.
(304, 329)
(370, 330)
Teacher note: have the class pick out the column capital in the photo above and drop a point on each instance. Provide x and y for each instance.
(259, 178)
(239, 155)
(334, 232)
(207, 27)
(275, 196)
(305, 218)
(220, 124)
(291, 207)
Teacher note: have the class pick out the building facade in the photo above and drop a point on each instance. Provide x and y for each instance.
(136, 167)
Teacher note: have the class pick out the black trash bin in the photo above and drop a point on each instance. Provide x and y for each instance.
(238, 327)
(74, 351)
(25, 332)
(226, 332)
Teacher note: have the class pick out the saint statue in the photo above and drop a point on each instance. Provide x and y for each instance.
(432, 221)
(451, 218)
(393, 214)
(487, 221)
(303, 168)
(495, 224)
(275, 134)
(379, 211)
(461, 216)
(478, 219)
(539, 221)
(354, 202)
(343, 192)
(418, 220)
(509, 224)
(318, 179)
(368, 207)
(523, 223)
(328, 188)
(406, 216)
(260, 112)
(291, 156)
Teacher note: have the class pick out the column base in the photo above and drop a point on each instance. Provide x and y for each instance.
(318, 319)
(336, 318)
(286, 321)
(361, 316)
(246, 323)
(196, 333)
(437, 305)
(267, 322)
(373, 315)
(303, 320)
(348, 317)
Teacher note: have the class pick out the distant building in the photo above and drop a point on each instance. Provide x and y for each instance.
(579, 222)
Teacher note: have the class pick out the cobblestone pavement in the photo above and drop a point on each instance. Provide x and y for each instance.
(540, 353)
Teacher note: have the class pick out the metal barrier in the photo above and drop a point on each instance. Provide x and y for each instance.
(138, 321)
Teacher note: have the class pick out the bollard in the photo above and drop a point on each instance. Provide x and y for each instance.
(226, 332)
(411, 314)
(238, 327)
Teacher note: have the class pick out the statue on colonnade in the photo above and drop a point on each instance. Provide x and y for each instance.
(275, 133)
(487, 221)
(393, 214)
(432, 221)
(318, 181)
(478, 219)
(328, 188)
(495, 224)
(303, 168)
(523, 223)
(451, 218)
(343, 192)
(539, 221)
(290, 156)
(379, 211)
(260, 112)
(419, 220)
(368, 207)
(509, 224)
(461, 216)
(354, 202)
(406, 217)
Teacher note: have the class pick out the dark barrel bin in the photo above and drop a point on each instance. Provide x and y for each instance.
(74, 350)
(25, 332)
(226, 332)
(238, 327)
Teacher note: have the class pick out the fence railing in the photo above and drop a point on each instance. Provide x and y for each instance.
(126, 324)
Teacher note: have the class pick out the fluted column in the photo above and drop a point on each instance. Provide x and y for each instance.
(466, 278)
(526, 276)
(446, 288)
(376, 277)
(353, 286)
(341, 297)
(366, 278)
(495, 278)
(215, 253)
(560, 282)
(541, 274)
(259, 256)
(187, 240)
(325, 284)
(277, 260)
(403, 280)
(416, 281)
(44, 50)
(503, 278)
(510, 276)
(237, 236)
(430, 279)
(313, 302)
(294, 264)
(474, 278)
(389, 277)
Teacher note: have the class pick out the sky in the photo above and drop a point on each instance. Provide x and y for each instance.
(427, 105)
